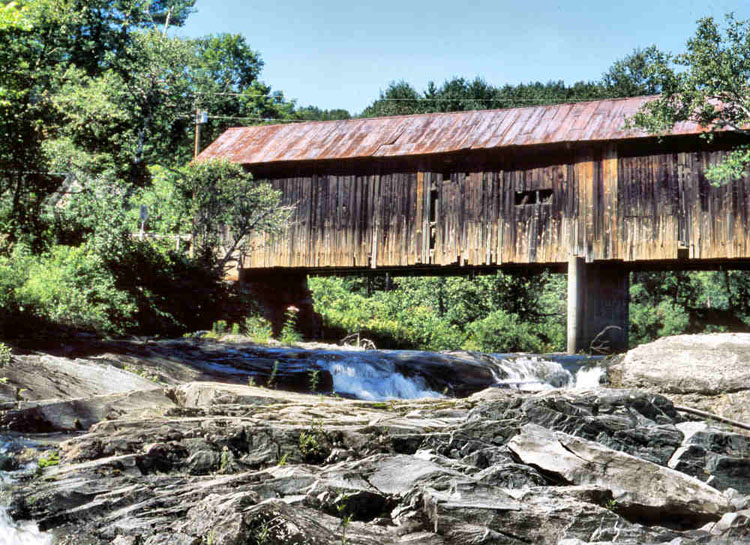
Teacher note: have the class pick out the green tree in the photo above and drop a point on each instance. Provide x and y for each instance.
(96, 118)
(224, 81)
(313, 113)
(494, 312)
(707, 84)
(97, 89)
(399, 98)
(460, 94)
(120, 124)
(228, 208)
(632, 75)
(52, 52)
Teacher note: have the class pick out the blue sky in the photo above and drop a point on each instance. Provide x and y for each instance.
(340, 54)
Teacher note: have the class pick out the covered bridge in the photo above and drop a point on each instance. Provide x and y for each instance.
(556, 186)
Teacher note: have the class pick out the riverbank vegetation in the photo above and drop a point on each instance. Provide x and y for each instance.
(508, 312)
(97, 101)
(106, 227)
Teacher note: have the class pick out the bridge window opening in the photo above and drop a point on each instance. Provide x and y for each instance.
(433, 204)
(535, 196)
(434, 196)
(446, 176)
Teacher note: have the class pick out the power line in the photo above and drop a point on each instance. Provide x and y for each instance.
(427, 99)
(247, 118)
(464, 99)
(509, 99)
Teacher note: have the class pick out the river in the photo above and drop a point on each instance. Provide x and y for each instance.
(366, 375)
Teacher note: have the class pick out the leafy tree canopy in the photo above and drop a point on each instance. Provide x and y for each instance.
(228, 206)
(313, 113)
(98, 90)
(632, 75)
(707, 84)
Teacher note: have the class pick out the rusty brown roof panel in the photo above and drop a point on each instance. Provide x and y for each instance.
(426, 134)
(547, 117)
(594, 125)
(494, 133)
(534, 121)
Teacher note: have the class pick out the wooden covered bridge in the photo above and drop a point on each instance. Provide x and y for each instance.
(547, 186)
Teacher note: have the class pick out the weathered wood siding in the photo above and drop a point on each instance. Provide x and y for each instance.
(611, 201)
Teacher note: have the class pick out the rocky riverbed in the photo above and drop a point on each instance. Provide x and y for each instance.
(170, 445)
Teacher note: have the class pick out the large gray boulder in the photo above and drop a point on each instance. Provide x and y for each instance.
(642, 490)
(688, 364)
(228, 463)
(709, 372)
(37, 377)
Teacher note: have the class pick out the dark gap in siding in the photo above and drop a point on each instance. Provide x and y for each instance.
(535, 196)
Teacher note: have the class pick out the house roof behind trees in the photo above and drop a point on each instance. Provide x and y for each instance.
(425, 134)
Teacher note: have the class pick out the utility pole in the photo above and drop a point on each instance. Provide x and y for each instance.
(201, 118)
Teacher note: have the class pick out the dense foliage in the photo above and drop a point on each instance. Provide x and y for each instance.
(629, 76)
(499, 312)
(520, 312)
(97, 105)
(97, 101)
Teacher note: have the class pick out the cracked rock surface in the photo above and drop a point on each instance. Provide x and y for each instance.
(228, 464)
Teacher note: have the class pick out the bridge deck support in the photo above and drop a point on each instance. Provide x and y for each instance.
(276, 291)
(597, 306)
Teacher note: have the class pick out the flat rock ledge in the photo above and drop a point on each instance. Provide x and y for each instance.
(220, 464)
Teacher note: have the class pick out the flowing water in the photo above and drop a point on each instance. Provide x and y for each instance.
(11, 532)
(402, 374)
(381, 380)
(23, 533)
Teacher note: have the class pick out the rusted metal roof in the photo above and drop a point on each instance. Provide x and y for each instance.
(425, 134)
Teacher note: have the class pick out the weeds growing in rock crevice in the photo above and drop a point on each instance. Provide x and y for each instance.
(6, 355)
(143, 373)
(262, 534)
(225, 465)
(271, 382)
(344, 515)
(258, 329)
(50, 458)
(314, 379)
(313, 443)
(289, 333)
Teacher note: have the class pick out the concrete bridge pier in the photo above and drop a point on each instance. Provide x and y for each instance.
(598, 297)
